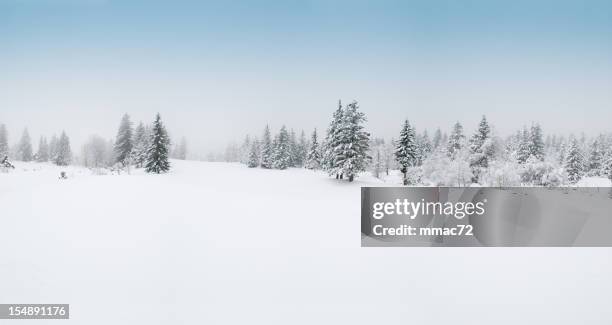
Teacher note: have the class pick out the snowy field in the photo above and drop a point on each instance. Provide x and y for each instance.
(216, 243)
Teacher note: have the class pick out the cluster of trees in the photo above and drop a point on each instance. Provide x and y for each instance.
(524, 158)
(146, 146)
(343, 153)
(57, 150)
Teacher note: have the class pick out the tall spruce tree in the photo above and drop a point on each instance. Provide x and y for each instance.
(479, 156)
(332, 141)
(351, 151)
(524, 146)
(157, 154)
(536, 143)
(43, 150)
(267, 151)
(4, 147)
(24, 150)
(282, 150)
(574, 162)
(123, 143)
(406, 150)
(596, 161)
(63, 156)
(455, 140)
(141, 144)
(314, 153)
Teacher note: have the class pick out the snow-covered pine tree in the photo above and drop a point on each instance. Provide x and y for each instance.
(455, 140)
(406, 150)
(536, 143)
(596, 163)
(63, 156)
(254, 154)
(313, 160)
(4, 147)
(141, 144)
(479, 158)
(267, 151)
(574, 162)
(282, 150)
(351, 152)
(329, 159)
(43, 150)
(24, 150)
(524, 146)
(157, 155)
(123, 142)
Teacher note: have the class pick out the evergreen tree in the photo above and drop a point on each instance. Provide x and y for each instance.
(455, 141)
(332, 141)
(536, 144)
(596, 158)
(24, 150)
(141, 144)
(524, 147)
(254, 155)
(123, 142)
(353, 143)
(267, 151)
(4, 147)
(479, 156)
(282, 150)
(314, 154)
(63, 156)
(157, 155)
(406, 150)
(574, 162)
(43, 150)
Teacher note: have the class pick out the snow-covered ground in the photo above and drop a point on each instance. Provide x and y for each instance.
(216, 243)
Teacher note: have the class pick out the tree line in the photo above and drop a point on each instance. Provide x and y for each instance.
(146, 146)
(526, 157)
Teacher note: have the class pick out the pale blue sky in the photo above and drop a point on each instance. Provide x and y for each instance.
(216, 70)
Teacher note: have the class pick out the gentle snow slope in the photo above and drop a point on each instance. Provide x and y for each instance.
(215, 243)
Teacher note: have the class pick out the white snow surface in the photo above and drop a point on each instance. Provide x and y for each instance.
(218, 243)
